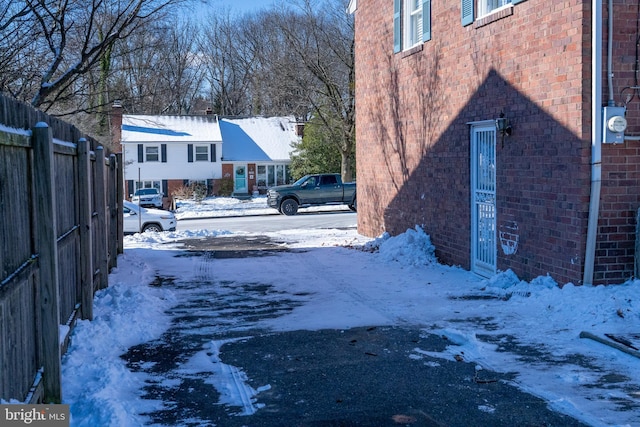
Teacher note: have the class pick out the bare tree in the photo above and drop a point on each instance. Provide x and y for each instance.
(73, 57)
(321, 41)
(280, 82)
(159, 70)
(18, 47)
(137, 71)
(229, 58)
(182, 72)
(74, 37)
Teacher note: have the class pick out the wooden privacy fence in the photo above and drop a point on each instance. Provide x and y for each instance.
(60, 234)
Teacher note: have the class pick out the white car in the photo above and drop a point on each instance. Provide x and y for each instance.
(137, 219)
(147, 197)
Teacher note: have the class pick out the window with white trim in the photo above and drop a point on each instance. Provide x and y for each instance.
(411, 22)
(273, 174)
(485, 7)
(470, 10)
(202, 153)
(148, 184)
(152, 153)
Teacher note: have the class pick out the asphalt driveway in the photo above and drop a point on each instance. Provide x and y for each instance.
(367, 376)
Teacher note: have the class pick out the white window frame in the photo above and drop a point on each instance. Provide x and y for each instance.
(411, 23)
(149, 155)
(487, 7)
(148, 184)
(269, 175)
(201, 153)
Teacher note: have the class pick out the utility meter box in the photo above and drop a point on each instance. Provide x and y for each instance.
(613, 125)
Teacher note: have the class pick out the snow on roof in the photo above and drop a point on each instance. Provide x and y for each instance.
(143, 128)
(258, 138)
(353, 6)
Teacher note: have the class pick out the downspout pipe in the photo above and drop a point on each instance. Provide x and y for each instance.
(596, 137)
(610, 102)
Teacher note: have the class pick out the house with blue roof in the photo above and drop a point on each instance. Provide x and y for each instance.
(172, 152)
(257, 151)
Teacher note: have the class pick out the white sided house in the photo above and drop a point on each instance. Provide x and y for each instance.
(257, 151)
(170, 152)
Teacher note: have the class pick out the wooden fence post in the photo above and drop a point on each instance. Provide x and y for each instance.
(46, 246)
(86, 239)
(113, 205)
(101, 244)
(120, 198)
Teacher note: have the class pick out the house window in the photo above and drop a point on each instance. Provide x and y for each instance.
(152, 153)
(202, 153)
(281, 174)
(485, 7)
(261, 176)
(149, 184)
(411, 22)
(270, 175)
(412, 16)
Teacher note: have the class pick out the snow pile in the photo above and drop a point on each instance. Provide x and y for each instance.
(410, 249)
(125, 314)
(509, 280)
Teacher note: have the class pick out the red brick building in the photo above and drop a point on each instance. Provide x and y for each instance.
(545, 195)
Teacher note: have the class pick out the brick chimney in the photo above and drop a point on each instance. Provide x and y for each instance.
(116, 126)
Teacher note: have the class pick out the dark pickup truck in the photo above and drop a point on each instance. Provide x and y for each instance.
(312, 190)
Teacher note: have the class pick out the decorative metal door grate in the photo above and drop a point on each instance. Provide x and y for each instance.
(483, 194)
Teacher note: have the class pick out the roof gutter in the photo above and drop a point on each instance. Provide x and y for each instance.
(596, 133)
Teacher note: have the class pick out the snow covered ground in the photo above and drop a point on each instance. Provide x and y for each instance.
(383, 281)
(227, 206)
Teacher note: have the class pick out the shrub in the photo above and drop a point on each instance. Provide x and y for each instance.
(225, 187)
(194, 191)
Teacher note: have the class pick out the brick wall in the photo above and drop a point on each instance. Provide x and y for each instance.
(227, 170)
(620, 172)
(533, 64)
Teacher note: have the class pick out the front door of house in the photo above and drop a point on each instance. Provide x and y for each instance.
(483, 199)
(240, 179)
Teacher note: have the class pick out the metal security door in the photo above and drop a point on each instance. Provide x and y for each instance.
(483, 203)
